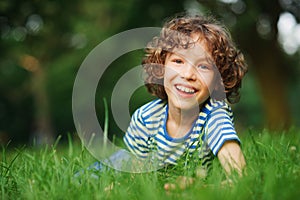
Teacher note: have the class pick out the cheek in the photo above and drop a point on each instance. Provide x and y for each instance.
(166, 79)
(209, 80)
(169, 73)
(169, 76)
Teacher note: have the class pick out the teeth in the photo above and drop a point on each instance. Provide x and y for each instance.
(185, 89)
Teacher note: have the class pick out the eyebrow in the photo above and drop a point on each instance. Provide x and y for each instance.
(205, 58)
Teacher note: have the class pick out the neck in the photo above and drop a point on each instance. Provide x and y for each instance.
(183, 116)
(180, 122)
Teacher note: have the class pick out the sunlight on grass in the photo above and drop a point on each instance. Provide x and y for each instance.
(273, 172)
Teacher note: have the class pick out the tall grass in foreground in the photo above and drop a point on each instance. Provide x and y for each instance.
(273, 172)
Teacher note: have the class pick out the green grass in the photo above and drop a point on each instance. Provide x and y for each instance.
(273, 172)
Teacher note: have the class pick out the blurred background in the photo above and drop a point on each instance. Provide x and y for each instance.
(43, 44)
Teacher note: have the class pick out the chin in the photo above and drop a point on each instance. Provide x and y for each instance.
(187, 106)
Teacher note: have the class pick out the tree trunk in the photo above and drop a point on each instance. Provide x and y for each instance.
(42, 128)
(271, 73)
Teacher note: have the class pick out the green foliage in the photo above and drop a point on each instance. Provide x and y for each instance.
(273, 172)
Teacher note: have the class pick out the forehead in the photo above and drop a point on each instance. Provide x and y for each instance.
(197, 50)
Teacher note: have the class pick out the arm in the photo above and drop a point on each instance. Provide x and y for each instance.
(136, 135)
(231, 157)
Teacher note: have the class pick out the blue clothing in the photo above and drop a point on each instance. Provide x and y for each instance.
(147, 133)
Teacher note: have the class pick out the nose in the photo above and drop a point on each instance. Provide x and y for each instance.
(188, 72)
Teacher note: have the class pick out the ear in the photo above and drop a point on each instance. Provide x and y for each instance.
(157, 70)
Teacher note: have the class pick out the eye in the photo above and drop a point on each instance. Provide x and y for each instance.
(177, 61)
(203, 67)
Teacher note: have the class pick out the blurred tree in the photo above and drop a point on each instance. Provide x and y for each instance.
(254, 25)
(33, 34)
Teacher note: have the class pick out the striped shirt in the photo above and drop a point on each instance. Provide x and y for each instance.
(147, 133)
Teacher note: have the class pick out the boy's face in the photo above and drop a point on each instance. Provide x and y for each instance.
(189, 77)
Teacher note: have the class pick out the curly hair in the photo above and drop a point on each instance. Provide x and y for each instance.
(176, 33)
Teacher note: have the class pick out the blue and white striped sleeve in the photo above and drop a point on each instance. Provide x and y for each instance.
(219, 129)
(136, 136)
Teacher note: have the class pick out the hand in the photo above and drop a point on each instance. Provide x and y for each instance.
(231, 157)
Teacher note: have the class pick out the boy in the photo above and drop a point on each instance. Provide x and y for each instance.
(192, 67)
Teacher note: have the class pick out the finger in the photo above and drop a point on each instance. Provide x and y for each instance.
(184, 182)
(169, 186)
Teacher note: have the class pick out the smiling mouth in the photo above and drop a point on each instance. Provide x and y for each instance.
(184, 89)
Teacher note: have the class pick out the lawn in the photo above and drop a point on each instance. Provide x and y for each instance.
(273, 172)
